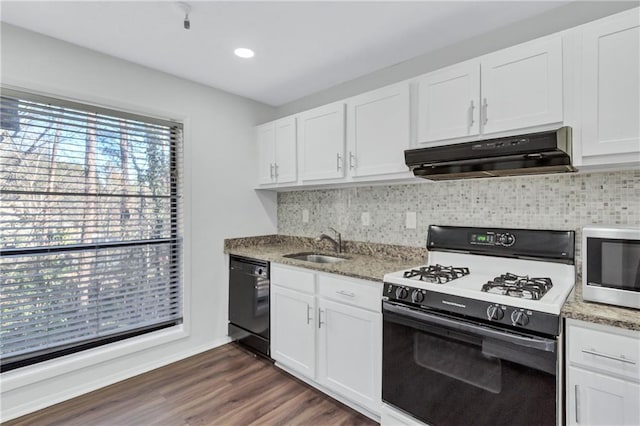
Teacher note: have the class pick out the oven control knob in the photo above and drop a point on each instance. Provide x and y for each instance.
(417, 296)
(519, 318)
(494, 312)
(401, 293)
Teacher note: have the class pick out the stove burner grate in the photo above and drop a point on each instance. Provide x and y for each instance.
(521, 286)
(438, 274)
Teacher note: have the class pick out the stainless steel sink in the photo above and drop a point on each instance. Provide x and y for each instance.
(315, 257)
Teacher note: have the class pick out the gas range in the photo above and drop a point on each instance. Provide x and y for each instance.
(480, 322)
(512, 278)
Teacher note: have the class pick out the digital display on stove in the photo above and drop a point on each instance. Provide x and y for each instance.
(504, 239)
(483, 238)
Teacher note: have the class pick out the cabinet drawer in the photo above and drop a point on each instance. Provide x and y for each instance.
(605, 348)
(358, 293)
(293, 278)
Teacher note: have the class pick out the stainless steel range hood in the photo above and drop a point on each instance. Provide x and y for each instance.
(535, 153)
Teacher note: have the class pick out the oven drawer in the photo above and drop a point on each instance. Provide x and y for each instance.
(361, 294)
(604, 348)
(292, 278)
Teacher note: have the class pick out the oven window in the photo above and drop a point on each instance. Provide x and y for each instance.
(448, 377)
(462, 361)
(621, 265)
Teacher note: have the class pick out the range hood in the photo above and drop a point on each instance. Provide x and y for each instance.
(535, 153)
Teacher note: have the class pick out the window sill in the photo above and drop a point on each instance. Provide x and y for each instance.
(46, 370)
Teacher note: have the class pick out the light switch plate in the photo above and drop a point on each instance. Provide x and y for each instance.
(366, 219)
(411, 220)
(305, 216)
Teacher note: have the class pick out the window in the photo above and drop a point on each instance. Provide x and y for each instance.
(90, 227)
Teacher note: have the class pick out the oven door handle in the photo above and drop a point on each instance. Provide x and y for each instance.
(547, 345)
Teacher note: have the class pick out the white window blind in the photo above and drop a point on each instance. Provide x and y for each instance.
(90, 227)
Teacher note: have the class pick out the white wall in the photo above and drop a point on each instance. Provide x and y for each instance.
(563, 17)
(220, 161)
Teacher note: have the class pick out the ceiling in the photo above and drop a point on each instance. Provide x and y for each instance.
(301, 47)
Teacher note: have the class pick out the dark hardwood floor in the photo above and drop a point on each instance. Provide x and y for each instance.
(224, 386)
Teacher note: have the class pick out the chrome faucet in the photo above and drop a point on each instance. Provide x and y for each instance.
(337, 242)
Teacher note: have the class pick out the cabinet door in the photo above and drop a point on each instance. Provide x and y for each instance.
(293, 330)
(379, 131)
(448, 103)
(596, 399)
(350, 348)
(322, 142)
(522, 86)
(266, 140)
(611, 87)
(285, 157)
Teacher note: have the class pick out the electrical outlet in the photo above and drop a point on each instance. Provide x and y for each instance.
(366, 219)
(411, 220)
(305, 216)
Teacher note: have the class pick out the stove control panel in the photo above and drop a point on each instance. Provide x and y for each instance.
(404, 294)
(495, 313)
(504, 239)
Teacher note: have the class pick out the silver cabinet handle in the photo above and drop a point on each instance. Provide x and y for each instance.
(485, 107)
(271, 170)
(352, 161)
(275, 168)
(600, 354)
(346, 293)
(577, 393)
(470, 118)
(338, 161)
(308, 313)
(320, 318)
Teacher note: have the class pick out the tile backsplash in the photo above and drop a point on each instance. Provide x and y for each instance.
(562, 202)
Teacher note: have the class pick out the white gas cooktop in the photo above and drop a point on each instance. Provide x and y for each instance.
(483, 269)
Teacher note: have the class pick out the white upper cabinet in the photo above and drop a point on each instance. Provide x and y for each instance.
(611, 90)
(277, 160)
(522, 86)
(506, 91)
(587, 77)
(322, 142)
(285, 156)
(266, 140)
(378, 126)
(448, 103)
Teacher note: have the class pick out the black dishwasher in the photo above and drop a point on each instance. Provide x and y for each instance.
(249, 303)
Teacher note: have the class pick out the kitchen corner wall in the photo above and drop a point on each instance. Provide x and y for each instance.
(561, 202)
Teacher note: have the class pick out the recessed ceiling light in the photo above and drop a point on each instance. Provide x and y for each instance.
(243, 52)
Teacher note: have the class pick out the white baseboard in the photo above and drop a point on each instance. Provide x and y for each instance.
(9, 413)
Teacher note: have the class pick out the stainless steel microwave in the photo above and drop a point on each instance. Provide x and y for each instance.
(611, 265)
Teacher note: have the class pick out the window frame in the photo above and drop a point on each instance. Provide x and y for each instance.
(89, 353)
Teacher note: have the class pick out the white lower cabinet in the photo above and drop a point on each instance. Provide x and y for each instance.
(597, 399)
(293, 338)
(331, 337)
(350, 352)
(603, 375)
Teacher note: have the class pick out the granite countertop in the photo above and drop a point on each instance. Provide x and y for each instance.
(575, 307)
(367, 261)
(371, 261)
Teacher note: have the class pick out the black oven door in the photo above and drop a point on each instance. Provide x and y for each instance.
(448, 371)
